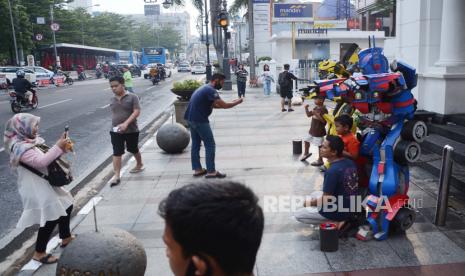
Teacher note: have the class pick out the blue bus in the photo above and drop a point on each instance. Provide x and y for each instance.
(155, 55)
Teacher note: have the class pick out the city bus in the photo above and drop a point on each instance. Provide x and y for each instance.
(155, 55)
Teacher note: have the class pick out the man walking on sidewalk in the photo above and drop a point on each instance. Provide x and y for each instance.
(201, 105)
(285, 87)
(128, 79)
(125, 109)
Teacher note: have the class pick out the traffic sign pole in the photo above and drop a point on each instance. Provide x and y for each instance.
(54, 39)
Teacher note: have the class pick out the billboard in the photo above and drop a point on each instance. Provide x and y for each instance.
(151, 10)
(292, 12)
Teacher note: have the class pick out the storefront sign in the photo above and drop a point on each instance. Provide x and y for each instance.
(312, 31)
(292, 12)
(330, 24)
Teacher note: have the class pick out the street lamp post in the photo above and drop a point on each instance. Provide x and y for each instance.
(207, 44)
(224, 22)
(54, 38)
(82, 22)
(14, 33)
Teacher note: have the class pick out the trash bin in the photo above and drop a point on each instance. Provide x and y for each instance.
(329, 238)
(297, 146)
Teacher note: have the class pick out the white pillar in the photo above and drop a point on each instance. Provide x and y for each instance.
(452, 51)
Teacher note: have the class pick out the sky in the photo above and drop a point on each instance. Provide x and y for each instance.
(137, 7)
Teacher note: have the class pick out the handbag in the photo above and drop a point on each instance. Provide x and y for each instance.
(59, 171)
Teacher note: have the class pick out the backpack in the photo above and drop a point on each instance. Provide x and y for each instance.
(283, 80)
(59, 173)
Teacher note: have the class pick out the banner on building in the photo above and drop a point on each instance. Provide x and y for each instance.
(330, 24)
(292, 12)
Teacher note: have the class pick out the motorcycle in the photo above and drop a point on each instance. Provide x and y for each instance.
(98, 73)
(18, 103)
(68, 80)
(82, 76)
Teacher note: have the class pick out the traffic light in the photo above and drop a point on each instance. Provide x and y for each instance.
(223, 19)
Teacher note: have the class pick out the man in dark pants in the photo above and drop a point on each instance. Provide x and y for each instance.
(285, 81)
(201, 105)
(125, 109)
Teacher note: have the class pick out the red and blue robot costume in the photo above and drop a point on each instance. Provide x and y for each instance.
(390, 135)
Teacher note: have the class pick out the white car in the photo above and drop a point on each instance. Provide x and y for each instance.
(184, 67)
(10, 73)
(40, 72)
(199, 68)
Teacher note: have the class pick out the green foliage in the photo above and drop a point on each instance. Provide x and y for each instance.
(187, 85)
(264, 59)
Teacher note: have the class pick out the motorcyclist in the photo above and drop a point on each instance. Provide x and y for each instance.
(23, 87)
(80, 72)
(154, 74)
(106, 70)
(98, 71)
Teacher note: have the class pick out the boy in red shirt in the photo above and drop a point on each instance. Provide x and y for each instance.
(351, 144)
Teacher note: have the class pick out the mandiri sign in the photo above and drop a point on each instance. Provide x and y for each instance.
(292, 12)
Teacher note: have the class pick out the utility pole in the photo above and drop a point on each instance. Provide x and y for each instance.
(224, 23)
(14, 33)
(251, 41)
(54, 39)
(207, 44)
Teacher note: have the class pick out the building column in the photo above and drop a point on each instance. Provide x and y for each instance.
(451, 51)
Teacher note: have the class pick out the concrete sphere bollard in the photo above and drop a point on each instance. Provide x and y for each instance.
(109, 252)
(173, 138)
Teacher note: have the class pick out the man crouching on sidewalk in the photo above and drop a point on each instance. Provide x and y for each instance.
(340, 183)
(212, 228)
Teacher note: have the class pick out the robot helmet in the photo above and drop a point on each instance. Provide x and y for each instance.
(20, 73)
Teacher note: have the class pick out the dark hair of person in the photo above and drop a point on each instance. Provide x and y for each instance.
(286, 66)
(335, 144)
(345, 120)
(218, 76)
(118, 79)
(221, 219)
(266, 67)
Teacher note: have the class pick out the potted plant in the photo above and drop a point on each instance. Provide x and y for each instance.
(185, 88)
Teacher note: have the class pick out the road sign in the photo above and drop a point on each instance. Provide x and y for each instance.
(151, 10)
(55, 27)
(293, 12)
(39, 37)
(41, 20)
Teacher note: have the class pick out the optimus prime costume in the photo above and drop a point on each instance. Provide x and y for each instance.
(390, 135)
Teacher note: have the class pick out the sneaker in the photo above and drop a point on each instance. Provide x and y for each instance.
(290, 110)
(283, 110)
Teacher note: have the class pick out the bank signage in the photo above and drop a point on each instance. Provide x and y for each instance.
(292, 12)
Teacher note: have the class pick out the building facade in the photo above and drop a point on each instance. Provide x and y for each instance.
(80, 4)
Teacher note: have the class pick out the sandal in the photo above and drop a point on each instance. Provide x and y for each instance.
(216, 175)
(202, 172)
(46, 259)
(316, 164)
(305, 157)
(115, 182)
(63, 245)
(137, 170)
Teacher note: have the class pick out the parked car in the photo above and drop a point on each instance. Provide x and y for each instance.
(199, 67)
(134, 69)
(184, 67)
(10, 73)
(40, 72)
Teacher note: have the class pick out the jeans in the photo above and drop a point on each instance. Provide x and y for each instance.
(241, 88)
(130, 89)
(267, 87)
(202, 132)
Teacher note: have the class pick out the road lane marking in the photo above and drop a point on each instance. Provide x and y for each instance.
(107, 88)
(67, 100)
(148, 88)
(2, 149)
(105, 106)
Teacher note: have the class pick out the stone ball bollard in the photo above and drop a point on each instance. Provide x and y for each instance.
(111, 251)
(173, 138)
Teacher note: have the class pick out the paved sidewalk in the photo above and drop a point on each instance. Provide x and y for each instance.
(254, 146)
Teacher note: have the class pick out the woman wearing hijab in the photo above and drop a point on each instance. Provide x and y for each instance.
(43, 204)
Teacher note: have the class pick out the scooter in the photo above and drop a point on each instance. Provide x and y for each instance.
(19, 103)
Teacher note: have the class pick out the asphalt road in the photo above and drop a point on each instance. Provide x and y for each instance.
(83, 106)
